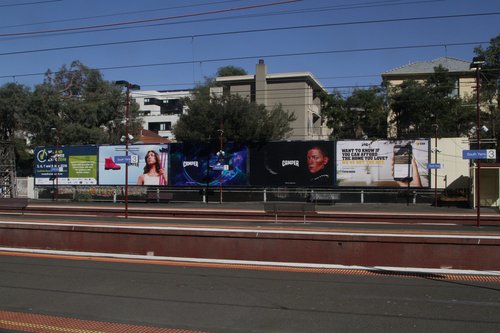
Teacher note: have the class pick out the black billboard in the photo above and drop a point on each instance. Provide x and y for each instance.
(299, 163)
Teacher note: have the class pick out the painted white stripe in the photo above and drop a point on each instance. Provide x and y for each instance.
(256, 263)
(260, 231)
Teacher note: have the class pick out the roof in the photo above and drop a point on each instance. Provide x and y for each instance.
(147, 136)
(290, 77)
(427, 67)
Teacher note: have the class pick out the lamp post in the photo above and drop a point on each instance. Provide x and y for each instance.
(129, 86)
(56, 159)
(476, 63)
(221, 158)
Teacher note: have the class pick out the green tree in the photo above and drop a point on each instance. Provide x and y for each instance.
(77, 106)
(13, 101)
(333, 109)
(367, 113)
(241, 120)
(230, 71)
(418, 107)
(361, 115)
(490, 86)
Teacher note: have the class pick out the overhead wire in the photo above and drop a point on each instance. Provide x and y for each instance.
(261, 56)
(28, 3)
(218, 11)
(279, 13)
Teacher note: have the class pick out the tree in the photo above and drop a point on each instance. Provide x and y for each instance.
(418, 107)
(80, 106)
(14, 98)
(230, 71)
(333, 108)
(368, 114)
(241, 120)
(490, 85)
(360, 116)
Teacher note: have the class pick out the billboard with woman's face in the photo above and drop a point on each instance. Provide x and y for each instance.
(383, 163)
(199, 164)
(304, 163)
(148, 165)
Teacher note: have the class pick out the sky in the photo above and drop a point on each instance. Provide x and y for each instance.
(176, 44)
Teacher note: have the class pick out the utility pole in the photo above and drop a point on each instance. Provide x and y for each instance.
(129, 86)
(477, 62)
(7, 170)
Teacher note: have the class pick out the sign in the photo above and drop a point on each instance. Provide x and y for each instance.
(433, 165)
(122, 159)
(479, 154)
(220, 167)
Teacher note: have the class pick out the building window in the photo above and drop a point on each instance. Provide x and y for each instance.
(171, 106)
(160, 126)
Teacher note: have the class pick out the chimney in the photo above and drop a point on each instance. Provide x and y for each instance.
(261, 83)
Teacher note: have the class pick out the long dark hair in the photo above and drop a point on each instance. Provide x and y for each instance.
(157, 164)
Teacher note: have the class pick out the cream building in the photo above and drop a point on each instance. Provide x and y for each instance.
(297, 92)
(464, 79)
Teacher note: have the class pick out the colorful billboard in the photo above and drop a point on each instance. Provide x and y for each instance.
(204, 165)
(383, 163)
(301, 163)
(66, 165)
(147, 165)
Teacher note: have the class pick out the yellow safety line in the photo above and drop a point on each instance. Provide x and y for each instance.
(46, 327)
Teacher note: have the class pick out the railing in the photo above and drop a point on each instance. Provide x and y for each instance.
(246, 194)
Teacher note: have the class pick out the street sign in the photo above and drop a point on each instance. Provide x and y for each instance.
(220, 167)
(122, 159)
(479, 154)
(433, 165)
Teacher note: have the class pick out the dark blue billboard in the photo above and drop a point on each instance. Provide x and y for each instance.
(193, 164)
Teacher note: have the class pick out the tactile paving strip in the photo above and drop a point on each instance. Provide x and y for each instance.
(29, 322)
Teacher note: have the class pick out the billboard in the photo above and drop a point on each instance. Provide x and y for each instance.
(147, 165)
(300, 163)
(72, 165)
(383, 163)
(199, 164)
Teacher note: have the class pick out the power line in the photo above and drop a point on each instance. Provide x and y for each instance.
(28, 3)
(313, 26)
(219, 11)
(282, 12)
(260, 56)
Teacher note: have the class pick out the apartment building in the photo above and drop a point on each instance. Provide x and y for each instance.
(160, 110)
(463, 78)
(297, 92)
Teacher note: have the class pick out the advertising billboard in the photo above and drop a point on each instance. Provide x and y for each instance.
(383, 163)
(68, 165)
(301, 163)
(147, 165)
(205, 165)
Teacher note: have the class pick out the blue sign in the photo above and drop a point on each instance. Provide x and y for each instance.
(480, 154)
(122, 159)
(220, 167)
(433, 165)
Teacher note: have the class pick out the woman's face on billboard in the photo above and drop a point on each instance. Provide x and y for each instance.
(316, 160)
